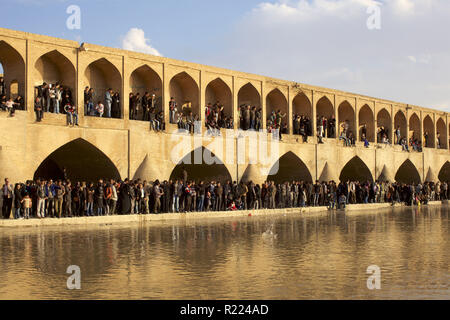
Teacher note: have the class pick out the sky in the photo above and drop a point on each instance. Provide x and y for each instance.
(401, 54)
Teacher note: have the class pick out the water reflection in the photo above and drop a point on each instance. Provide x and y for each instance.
(288, 257)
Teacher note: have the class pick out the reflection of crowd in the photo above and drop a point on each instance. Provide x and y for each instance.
(56, 199)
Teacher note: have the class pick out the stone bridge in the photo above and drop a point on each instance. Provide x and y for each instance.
(120, 148)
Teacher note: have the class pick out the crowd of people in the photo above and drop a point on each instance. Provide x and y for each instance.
(109, 107)
(325, 128)
(145, 108)
(57, 199)
(216, 119)
(7, 102)
(302, 126)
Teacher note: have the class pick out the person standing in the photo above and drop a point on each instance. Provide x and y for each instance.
(157, 192)
(41, 200)
(99, 194)
(114, 198)
(38, 109)
(108, 102)
(7, 199)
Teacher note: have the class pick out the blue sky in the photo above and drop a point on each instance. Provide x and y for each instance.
(319, 42)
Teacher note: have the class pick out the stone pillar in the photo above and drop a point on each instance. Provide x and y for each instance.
(336, 117)
(166, 94)
(435, 131)
(357, 138)
(263, 105)
(29, 85)
(448, 132)
(392, 125)
(79, 94)
(290, 119)
(375, 119)
(202, 97)
(314, 115)
(407, 124)
(421, 128)
(235, 103)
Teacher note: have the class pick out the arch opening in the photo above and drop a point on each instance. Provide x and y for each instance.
(184, 90)
(384, 127)
(441, 134)
(277, 111)
(325, 110)
(54, 72)
(200, 172)
(302, 114)
(356, 170)
(290, 168)
(444, 174)
(219, 99)
(82, 161)
(347, 119)
(248, 98)
(401, 125)
(407, 173)
(100, 76)
(414, 128)
(366, 123)
(144, 83)
(428, 133)
(12, 70)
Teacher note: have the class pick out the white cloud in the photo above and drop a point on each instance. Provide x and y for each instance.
(327, 43)
(135, 40)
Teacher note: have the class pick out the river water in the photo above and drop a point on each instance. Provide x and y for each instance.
(324, 256)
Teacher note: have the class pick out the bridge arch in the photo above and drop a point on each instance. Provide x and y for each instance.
(82, 160)
(408, 173)
(218, 91)
(201, 171)
(414, 127)
(384, 120)
(13, 66)
(324, 108)
(356, 170)
(400, 122)
(102, 75)
(186, 93)
(290, 167)
(54, 67)
(428, 129)
(441, 134)
(144, 79)
(366, 118)
(275, 101)
(248, 95)
(346, 115)
(444, 173)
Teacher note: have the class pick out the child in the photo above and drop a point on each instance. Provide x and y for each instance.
(100, 109)
(27, 204)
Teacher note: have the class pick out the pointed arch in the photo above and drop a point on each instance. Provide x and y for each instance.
(384, 121)
(408, 173)
(186, 93)
(441, 134)
(102, 75)
(82, 160)
(200, 171)
(13, 66)
(400, 123)
(356, 170)
(346, 116)
(444, 173)
(414, 127)
(144, 79)
(289, 168)
(302, 107)
(324, 108)
(428, 132)
(217, 91)
(276, 101)
(248, 95)
(366, 118)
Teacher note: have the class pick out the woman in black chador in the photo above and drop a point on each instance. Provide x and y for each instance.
(125, 199)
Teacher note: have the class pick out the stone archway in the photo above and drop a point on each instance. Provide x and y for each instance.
(13, 68)
(441, 134)
(346, 115)
(52, 68)
(444, 173)
(400, 122)
(248, 95)
(219, 92)
(301, 106)
(414, 128)
(185, 91)
(356, 170)
(102, 75)
(145, 79)
(290, 168)
(384, 120)
(200, 171)
(82, 160)
(276, 101)
(428, 129)
(407, 173)
(366, 118)
(324, 108)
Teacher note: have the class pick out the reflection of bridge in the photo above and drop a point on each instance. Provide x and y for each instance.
(122, 147)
